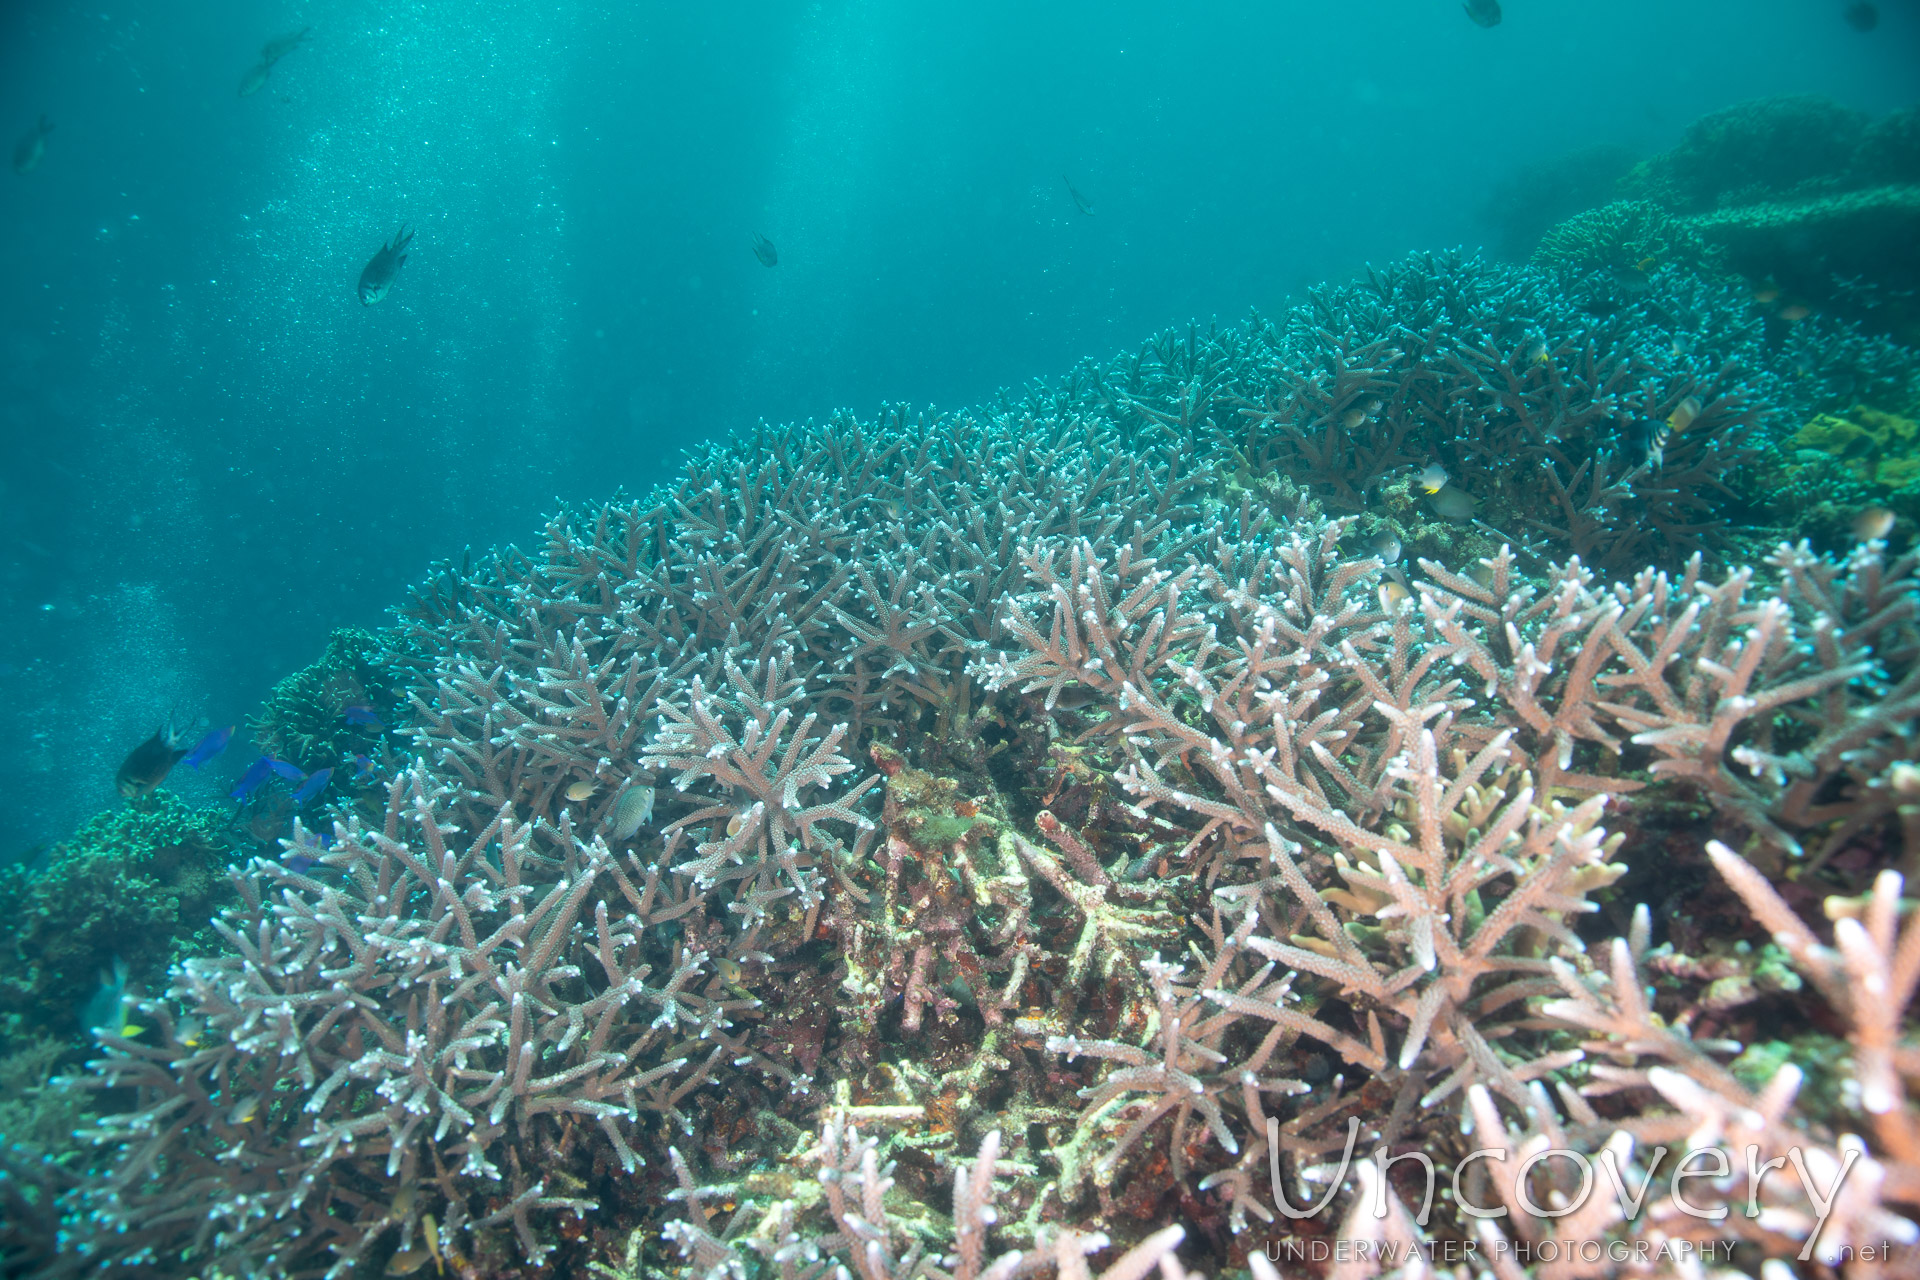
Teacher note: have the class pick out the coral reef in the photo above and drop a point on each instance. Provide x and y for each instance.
(304, 719)
(1235, 808)
(1814, 203)
(1767, 146)
(1619, 236)
(133, 887)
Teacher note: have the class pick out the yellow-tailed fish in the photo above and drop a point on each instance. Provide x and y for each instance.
(1683, 414)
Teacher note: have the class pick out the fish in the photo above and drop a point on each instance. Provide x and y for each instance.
(1074, 696)
(630, 813)
(1646, 442)
(1794, 312)
(1080, 202)
(28, 153)
(763, 249)
(291, 772)
(1683, 414)
(255, 80)
(1391, 594)
(207, 748)
(1536, 353)
(1353, 417)
(362, 766)
(250, 781)
(313, 786)
(1434, 478)
(1647, 263)
(1454, 504)
(407, 1261)
(148, 764)
(1873, 524)
(376, 278)
(106, 1012)
(301, 854)
(189, 1030)
(280, 46)
(1633, 279)
(1386, 545)
(1485, 13)
(364, 715)
(579, 790)
(1862, 16)
(1765, 292)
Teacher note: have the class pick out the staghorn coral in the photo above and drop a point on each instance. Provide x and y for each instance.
(1232, 812)
(322, 1122)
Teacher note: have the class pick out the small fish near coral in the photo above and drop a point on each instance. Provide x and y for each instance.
(208, 747)
(376, 278)
(1080, 202)
(301, 853)
(1645, 443)
(763, 249)
(105, 1013)
(250, 781)
(631, 813)
(364, 716)
(1485, 13)
(148, 764)
(313, 786)
(1873, 524)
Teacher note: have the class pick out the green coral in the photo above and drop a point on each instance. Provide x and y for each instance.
(1825, 1061)
(1620, 235)
(138, 885)
(1874, 447)
(303, 720)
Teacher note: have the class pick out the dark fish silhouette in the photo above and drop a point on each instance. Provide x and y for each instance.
(763, 249)
(1080, 202)
(147, 766)
(1485, 13)
(376, 278)
(26, 156)
(271, 52)
(1862, 16)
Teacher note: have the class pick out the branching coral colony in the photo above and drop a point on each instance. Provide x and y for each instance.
(908, 844)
